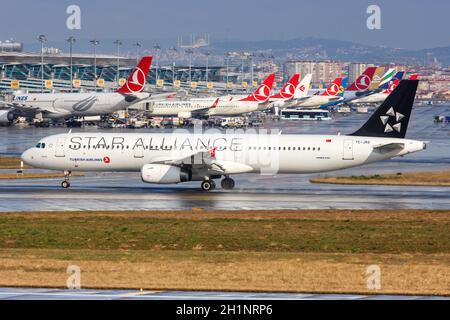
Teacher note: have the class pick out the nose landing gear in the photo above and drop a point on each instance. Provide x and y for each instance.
(66, 184)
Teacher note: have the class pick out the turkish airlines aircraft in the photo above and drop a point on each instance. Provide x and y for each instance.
(222, 106)
(331, 94)
(163, 158)
(361, 85)
(290, 93)
(65, 105)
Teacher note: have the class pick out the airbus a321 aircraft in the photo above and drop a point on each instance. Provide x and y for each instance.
(64, 105)
(162, 158)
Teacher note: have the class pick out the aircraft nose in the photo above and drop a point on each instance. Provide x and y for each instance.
(27, 157)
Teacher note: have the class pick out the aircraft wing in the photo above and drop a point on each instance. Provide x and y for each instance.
(205, 161)
(388, 147)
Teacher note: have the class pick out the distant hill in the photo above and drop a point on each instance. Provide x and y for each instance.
(317, 48)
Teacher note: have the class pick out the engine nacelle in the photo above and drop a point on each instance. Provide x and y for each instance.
(7, 116)
(185, 114)
(163, 173)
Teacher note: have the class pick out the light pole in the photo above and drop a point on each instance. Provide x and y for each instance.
(174, 51)
(190, 51)
(42, 38)
(95, 43)
(157, 49)
(138, 45)
(227, 58)
(71, 41)
(207, 54)
(118, 43)
(252, 55)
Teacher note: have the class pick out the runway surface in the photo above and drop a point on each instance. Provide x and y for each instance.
(83, 294)
(125, 191)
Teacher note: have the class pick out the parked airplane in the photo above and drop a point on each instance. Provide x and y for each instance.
(340, 94)
(379, 97)
(221, 106)
(163, 158)
(66, 105)
(284, 100)
(360, 86)
(331, 94)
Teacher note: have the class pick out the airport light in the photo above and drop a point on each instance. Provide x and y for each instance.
(157, 49)
(118, 43)
(43, 39)
(174, 51)
(95, 43)
(227, 58)
(207, 54)
(137, 44)
(71, 41)
(190, 52)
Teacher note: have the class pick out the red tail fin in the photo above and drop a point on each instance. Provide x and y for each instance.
(333, 89)
(288, 91)
(363, 81)
(262, 94)
(137, 79)
(414, 76)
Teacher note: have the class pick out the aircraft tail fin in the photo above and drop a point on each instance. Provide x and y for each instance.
(333, 88)
(362, 83)
(302, 88)
(391, 118)
(342, 87)
(138, 78)
(262, 93)
(288, 91)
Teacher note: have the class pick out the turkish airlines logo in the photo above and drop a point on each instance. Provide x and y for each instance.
(333, 89)
(288, 91)
(363, 82)
(137, 81)
(263, 93)
(106, 160)
(391, 87)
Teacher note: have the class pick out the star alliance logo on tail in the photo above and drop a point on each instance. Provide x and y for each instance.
(397, 126)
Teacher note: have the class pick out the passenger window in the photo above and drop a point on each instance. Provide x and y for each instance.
(309, 148)
(318, 149)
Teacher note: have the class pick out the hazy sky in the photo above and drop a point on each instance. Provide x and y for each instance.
(411, 24)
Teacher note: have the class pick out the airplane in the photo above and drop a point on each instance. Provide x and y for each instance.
(360, 87)
(331, 94)
(340, 94)
(67, 105)
(184, 156)
(205, 107)
(301, 92)
(379, 97)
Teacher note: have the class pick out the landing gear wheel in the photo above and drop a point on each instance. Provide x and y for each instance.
(208, 185)
(227, 183)
(65, 184)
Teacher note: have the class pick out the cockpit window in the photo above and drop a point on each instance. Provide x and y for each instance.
(40, 145)
(43, 145)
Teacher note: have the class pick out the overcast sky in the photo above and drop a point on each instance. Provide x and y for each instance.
(411, 24)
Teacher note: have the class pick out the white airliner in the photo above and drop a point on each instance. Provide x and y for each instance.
(163, 158)
(331, 94)
(201, 107)
(65, 105)
(292, 92)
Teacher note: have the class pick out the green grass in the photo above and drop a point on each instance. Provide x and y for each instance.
(221, 234)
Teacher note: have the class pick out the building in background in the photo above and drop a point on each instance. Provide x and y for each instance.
(323, 72)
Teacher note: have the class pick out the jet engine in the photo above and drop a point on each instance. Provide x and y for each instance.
(7, 116)
(184, 114)
(163, 173)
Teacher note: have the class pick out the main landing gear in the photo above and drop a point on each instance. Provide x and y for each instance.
(208, 184)
(66, 184)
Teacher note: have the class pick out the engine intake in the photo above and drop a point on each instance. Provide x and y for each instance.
(163, 173)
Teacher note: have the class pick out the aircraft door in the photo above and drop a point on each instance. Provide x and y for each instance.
(139, 152)
(348, 150)
(59, 151)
